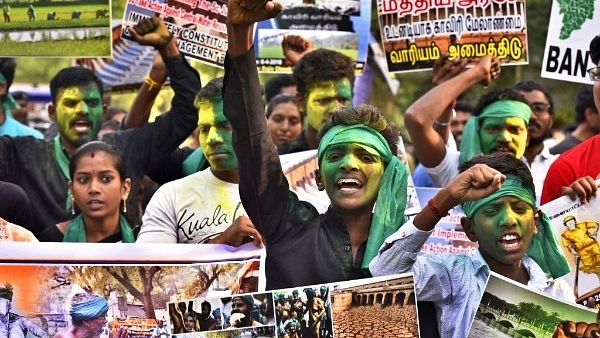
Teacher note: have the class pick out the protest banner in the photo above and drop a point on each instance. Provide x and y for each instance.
(576, 227)
(126, 69)
(136, 280)
(511, 309)
(198, 25)
(341, 25)
(572, 27)
(415, 33)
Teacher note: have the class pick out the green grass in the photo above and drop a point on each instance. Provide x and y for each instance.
(78, 48)
(20, 20)
(275, 52)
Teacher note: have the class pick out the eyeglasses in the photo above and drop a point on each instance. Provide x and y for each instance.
(539, 108)
(594, 73)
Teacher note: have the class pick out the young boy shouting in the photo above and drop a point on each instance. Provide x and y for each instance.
(515, 239)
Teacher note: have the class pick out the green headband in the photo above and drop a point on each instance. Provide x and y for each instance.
(544, 248)
(356, 134)
(388, 215)
(500, 108)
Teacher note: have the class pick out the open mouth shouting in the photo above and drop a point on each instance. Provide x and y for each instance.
(349, 184)
(510, 242)
(81, 126)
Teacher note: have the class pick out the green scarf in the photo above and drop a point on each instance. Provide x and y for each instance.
(194, 162)
(500, 108)
(63, 164)
(76, 231)
(388, 215)
(544, 248)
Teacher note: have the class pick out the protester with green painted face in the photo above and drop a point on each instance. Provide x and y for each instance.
(205, 206)
(498, 123)
(515, 240)
(359, 170)
(41, 168)
(324, 80)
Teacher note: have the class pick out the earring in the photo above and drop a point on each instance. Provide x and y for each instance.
(72, 206)
(124, 203)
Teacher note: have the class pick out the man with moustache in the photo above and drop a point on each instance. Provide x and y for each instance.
(537, 154)
(40, 167)
(242, 305)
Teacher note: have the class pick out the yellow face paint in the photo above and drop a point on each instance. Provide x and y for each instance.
(214, 136)
(326, 97)
(78, 114)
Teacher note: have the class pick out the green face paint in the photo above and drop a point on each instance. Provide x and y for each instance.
(79, 112)
(324, 98)
(215, 136)
(503, 134)
(351, 175)
(504, 229)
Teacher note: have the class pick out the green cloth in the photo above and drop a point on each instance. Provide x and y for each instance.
(194, 162)
(388, 215)
(501, 108)
(63, 163)
(544, 248)
(76, 231)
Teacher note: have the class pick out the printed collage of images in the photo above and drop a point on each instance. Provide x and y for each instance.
(323, 311)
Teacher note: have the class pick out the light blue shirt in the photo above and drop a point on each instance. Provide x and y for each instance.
(12, 127)
(454, 282)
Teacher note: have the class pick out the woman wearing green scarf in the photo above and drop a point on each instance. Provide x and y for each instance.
(99, 189)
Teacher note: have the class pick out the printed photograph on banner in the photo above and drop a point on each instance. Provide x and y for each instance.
(248, 311)
(572, 26)
(56, 29)
(335, 24)
(126, 295)
(195, 315)
(576, 227)
(129, 64)
(378, 307)
(304, 312)
(510, 309)
(198, 25)
(270, 53)
(415, 34)
(448, 235)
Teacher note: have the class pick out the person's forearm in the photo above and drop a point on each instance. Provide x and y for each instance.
(239, 39)
(429, 107)
(428, 217)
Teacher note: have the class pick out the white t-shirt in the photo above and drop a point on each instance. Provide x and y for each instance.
(192, 209)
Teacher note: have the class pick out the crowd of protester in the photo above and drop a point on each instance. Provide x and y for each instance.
(106, 175)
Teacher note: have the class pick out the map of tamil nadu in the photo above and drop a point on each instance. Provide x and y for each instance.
(574, 12)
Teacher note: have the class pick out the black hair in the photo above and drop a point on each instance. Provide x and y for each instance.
(505, 163)
(95, 146)
(463, 106)
(529, 86)
(279, 99)
(585, 99)
(595, 49)
(211, 91)
(7, 68)
(322, 65)
(73, 76)
(273, 86)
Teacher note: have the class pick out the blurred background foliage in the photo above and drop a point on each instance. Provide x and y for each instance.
(412, 85)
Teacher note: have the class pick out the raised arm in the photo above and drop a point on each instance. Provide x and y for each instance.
(140, 109)
(262, 182)
(421, 116)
